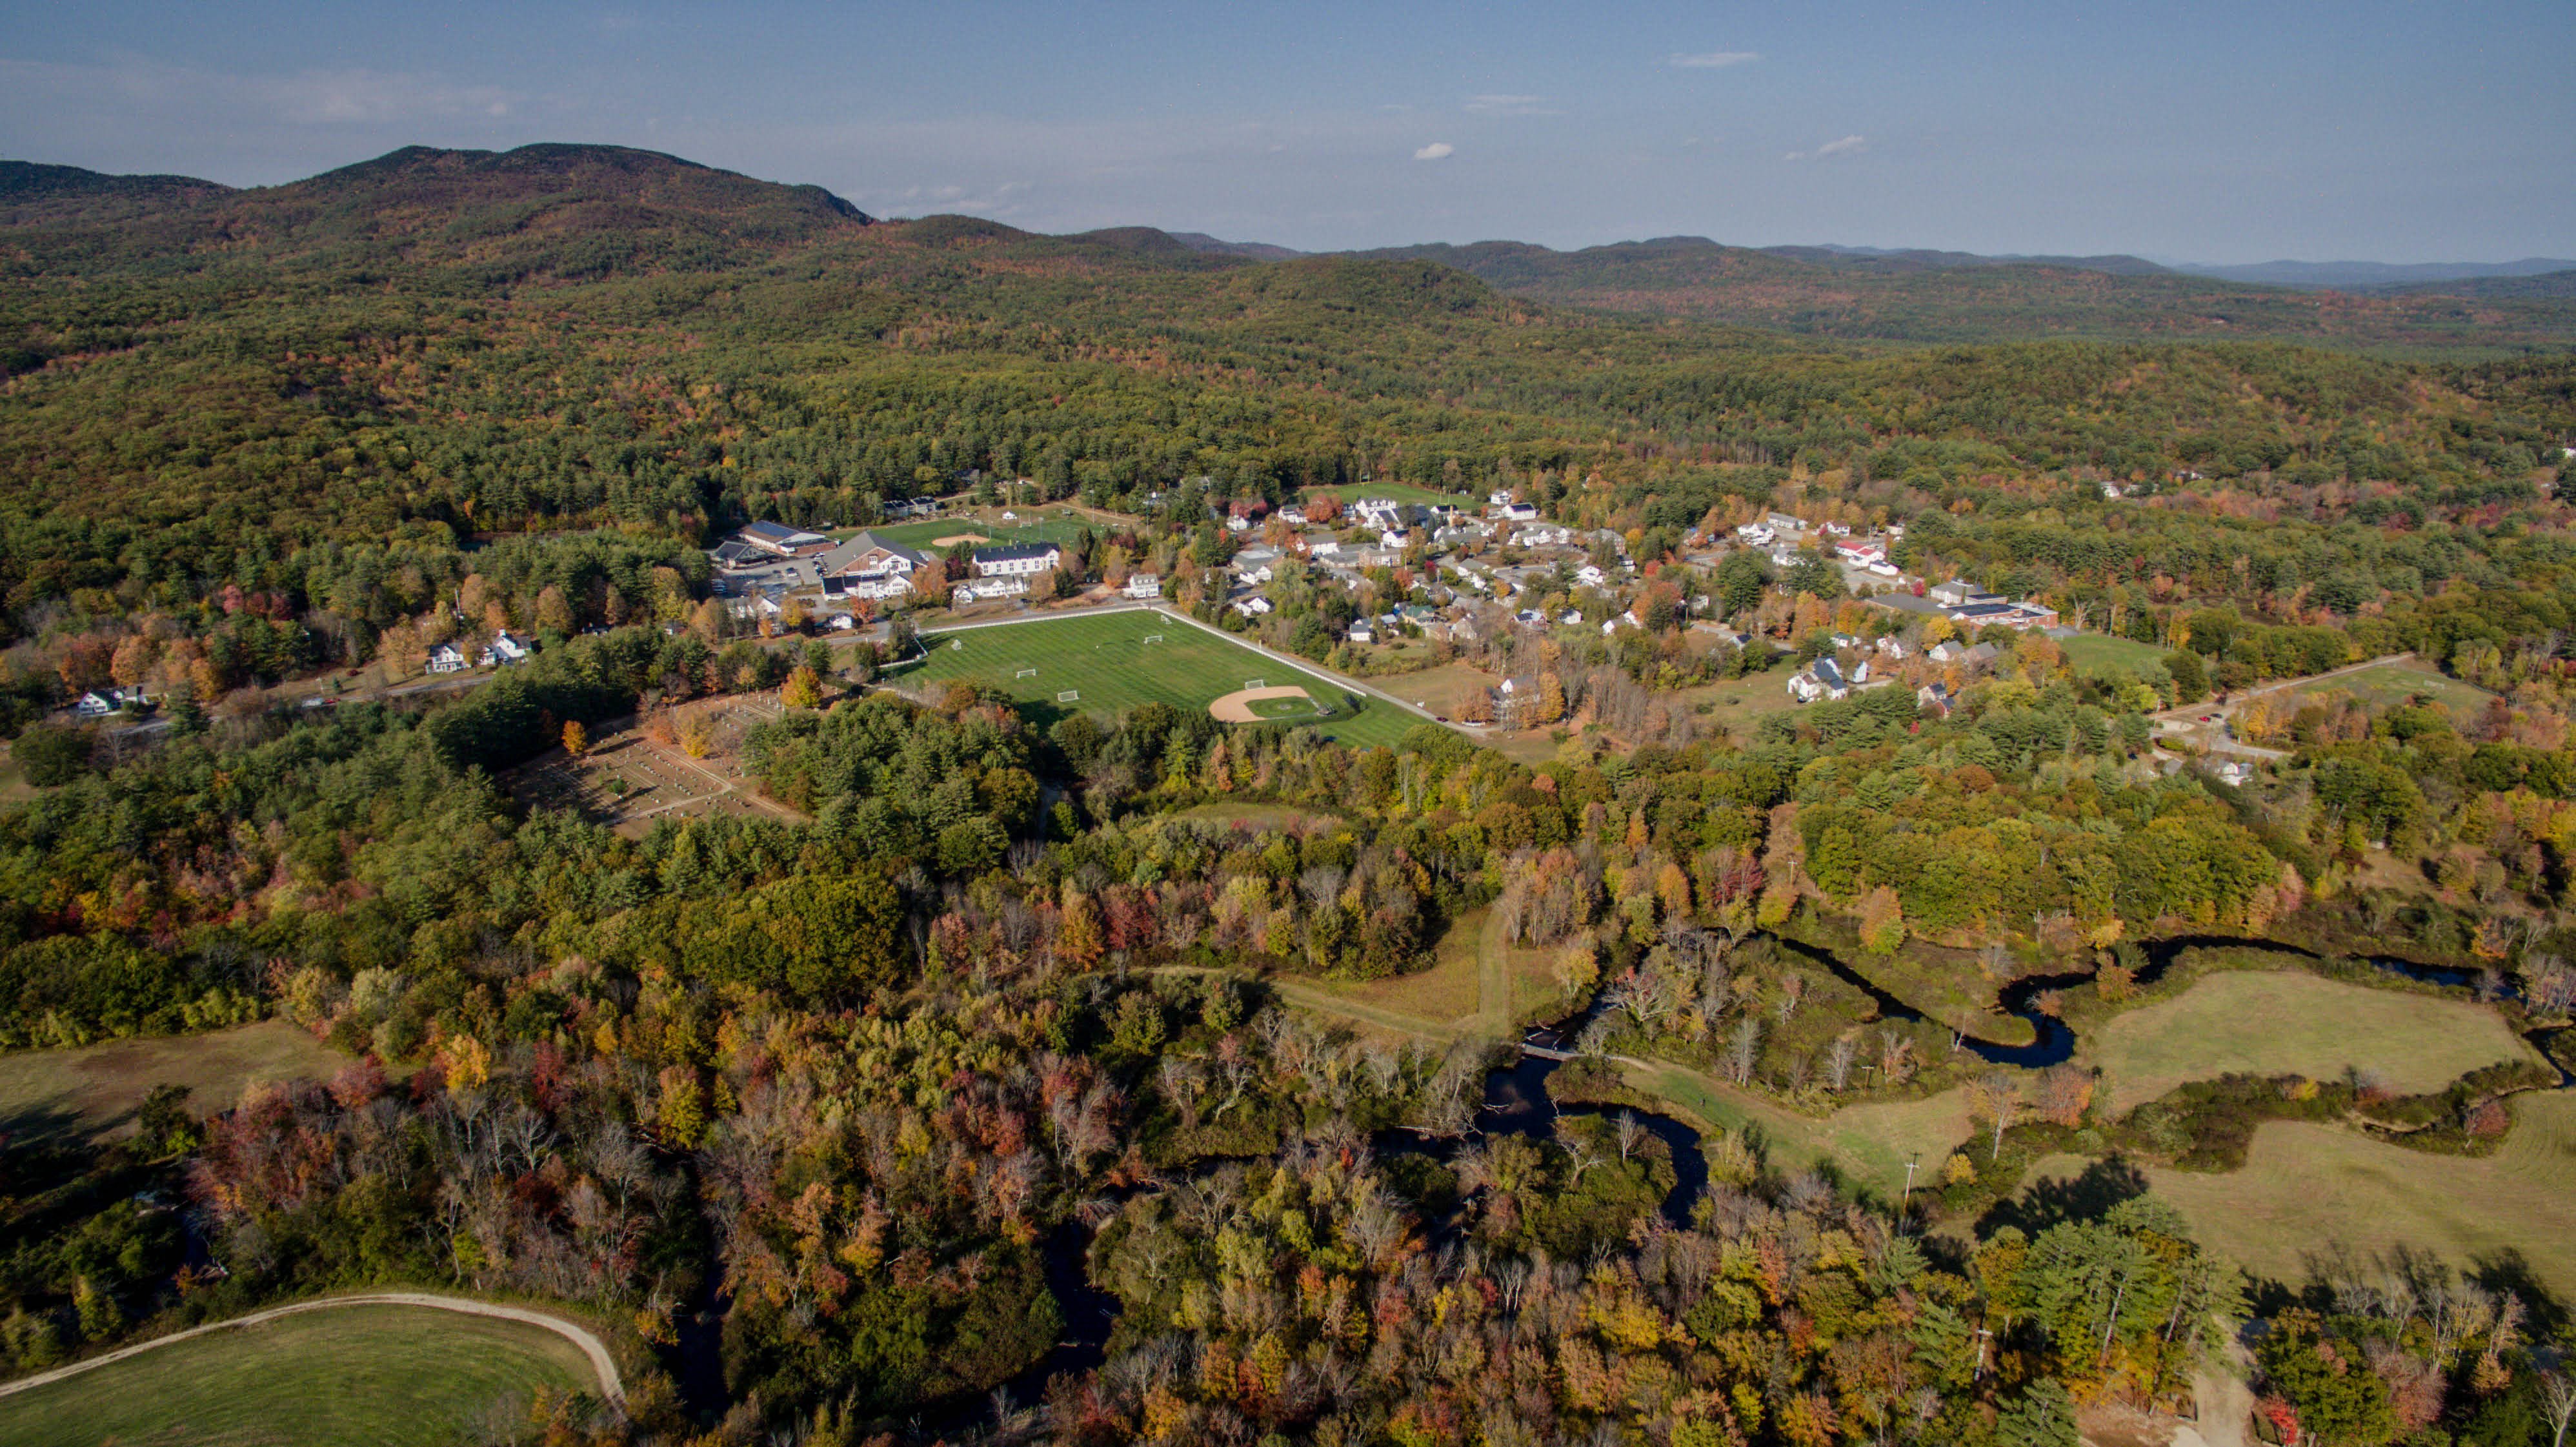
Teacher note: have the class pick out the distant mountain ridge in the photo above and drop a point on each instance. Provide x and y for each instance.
(560, 212)
(2374, 275)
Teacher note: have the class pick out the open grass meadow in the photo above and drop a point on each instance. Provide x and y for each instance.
(2091, 654)
(2287, 1021)
(1738, 703)
(1101, 664)
(2304, 1185)
(363, 1376)
(98, 1087)
(1866, 1146)
(2394, 683)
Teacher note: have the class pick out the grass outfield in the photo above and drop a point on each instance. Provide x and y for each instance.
(929, 531)
(2305, 1185)
(2094, 653)
(2275, 1023)
(384, 1376)
(1102, 658)
(99, 1086)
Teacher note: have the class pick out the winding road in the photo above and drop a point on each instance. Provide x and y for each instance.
(602, 1365)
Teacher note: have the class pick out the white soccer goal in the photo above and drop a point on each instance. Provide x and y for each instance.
(1153, 638)
(1070, 695)
(1254, 683)
(1026, 673)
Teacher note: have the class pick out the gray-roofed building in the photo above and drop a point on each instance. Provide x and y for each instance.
(868, 566)
(1017, 560)
(782, 540)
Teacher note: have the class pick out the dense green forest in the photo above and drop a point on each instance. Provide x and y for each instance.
(841, 1120)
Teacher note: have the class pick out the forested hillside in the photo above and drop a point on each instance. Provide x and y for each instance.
(1926, 297)
(307, 389)
(1011, 1073)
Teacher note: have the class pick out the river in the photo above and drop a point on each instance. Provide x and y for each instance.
(1518, 1102)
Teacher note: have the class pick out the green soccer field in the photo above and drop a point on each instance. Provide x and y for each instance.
(1101, 664)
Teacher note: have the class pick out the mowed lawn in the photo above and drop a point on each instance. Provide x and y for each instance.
(2095, 653)
(1103, 660)
(98, 1086)
(361, 1376)
(2289, 1022)
(2305, 1185)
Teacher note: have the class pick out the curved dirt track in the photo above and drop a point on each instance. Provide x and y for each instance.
(601, 1364)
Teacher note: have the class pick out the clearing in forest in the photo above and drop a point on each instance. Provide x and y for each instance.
(2291, 1022)
(1867, 1145)
(633, 774)
(394, 1375)
(98, 1087)
(2387, 684)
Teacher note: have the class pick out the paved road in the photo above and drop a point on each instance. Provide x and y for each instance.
(602, 1364)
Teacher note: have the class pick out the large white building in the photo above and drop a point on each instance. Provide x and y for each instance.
(1017, 560)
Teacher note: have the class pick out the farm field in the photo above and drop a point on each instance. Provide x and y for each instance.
(2304, 1185)
(628, 779)
(2095, 653)
(97, 1087)
(1104, 663)
(2392, 683)
(2286, 1021)
(1868, 1145)
(382, 1376)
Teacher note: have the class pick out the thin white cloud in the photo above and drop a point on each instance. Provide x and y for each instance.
(1437, 150)
(1712, 59)
(1511, 105)
(1847, 146)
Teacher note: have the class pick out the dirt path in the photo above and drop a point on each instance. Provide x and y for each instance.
(2184, 724)
(602, 1364)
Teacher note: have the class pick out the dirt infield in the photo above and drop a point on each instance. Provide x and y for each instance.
(953, 539)
(1236, 707)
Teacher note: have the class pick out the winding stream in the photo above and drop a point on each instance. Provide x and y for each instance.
(1518, 1102)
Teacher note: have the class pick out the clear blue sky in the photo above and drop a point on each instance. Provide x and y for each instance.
(2219, 132)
